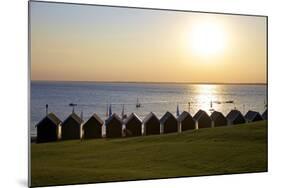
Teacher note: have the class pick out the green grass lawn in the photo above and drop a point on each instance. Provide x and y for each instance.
(233, 149)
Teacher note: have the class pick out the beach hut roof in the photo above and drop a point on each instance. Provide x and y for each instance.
(149, 116)
(75, 117)
(52, 117)
(183, 115)
(233, 114)
(96, 117)
(166, 116)
(114, 116)
(199, 114)
(132, 116)
(264, 114)
(216, 114)
(251, 115)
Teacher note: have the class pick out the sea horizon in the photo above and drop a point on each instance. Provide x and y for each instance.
(150, 82)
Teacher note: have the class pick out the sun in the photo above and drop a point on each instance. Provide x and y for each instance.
(206, 38)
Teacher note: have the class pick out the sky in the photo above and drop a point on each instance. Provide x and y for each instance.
(71, 42)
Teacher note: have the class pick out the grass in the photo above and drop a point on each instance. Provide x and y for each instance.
(222, 150)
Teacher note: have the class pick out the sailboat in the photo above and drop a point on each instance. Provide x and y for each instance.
(211, 107)
(138, 104)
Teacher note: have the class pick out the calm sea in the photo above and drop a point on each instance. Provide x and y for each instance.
(92, 97)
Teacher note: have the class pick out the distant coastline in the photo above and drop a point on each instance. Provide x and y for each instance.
(144, 82)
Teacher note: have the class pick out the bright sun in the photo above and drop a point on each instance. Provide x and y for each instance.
(206, 39)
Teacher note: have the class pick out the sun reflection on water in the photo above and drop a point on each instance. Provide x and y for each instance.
(207, 97)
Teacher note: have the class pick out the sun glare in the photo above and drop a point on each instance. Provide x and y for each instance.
(206, 39)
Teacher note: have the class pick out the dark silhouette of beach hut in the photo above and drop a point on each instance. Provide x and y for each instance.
(185, 121)
(264, 115)
(169, 123)
(93, 127)
(252, 116)
(48, 129)
(202, 119)
(151, 124)
(218, 119)
(71, 127)
(235, 117)
(113, 126)
(133, 125)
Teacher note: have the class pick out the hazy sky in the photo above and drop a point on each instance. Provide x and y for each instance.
(95, 43)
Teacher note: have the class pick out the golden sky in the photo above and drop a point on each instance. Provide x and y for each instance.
(95, 43)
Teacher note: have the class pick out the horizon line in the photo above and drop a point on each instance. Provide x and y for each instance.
(151, 82)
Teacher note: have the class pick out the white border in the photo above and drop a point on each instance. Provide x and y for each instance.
(14, 105)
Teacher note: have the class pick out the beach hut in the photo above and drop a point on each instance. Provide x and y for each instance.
(48, 128)
(71, 127)
(235, 117)
(264, 115)
(133, 125)
(218, 119)
(113, 126)
(185, 121)
(151, 124)
(92, 128)
(169, 123)
(202, 120)
(252, 116)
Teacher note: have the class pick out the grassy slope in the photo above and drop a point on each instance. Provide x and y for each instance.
(236, 149)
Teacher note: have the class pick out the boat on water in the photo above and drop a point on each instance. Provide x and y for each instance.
(211, 107)
(138, 105)
(72, 104)
(229, 101)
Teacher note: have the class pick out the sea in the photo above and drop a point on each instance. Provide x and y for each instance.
(97, 97)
